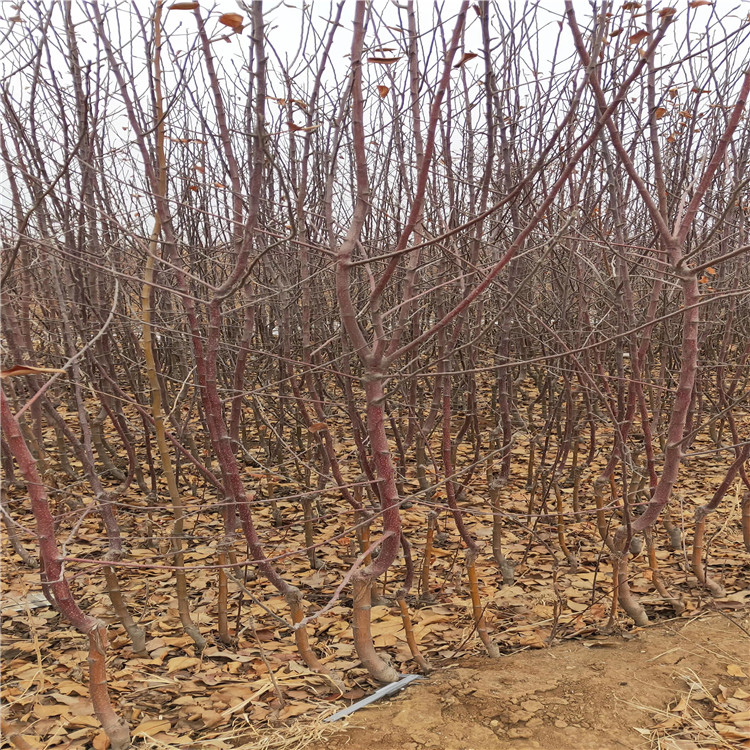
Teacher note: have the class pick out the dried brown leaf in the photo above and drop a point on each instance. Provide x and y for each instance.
(26, 370)
(233, 20)
(639, 36)
(383, 60)
(466, 57)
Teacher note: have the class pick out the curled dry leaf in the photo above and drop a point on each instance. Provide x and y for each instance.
(667, 12)
(698, 3)
(660, 112)
(638, 36)
(305, 129)
(233, 20)
(383, 60)
(26, 370)
(183, 6)
(187, 140)
(318, 427)
(383, 91)
(631, 6)
(466, 57)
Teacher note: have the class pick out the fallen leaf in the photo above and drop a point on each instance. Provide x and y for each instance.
(354, 694)
(292, 709)
(181, 662)
(152, 726)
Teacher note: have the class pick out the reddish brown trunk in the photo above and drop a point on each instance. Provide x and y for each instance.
(57, 582)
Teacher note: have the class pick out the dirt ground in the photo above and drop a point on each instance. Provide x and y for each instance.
(686, 676)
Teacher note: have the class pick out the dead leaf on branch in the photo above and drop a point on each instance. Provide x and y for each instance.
(183, 6)
(301, 128)
(638, 36)
(233, 20)
(466, 57)
(27, 370)
(383, 60)
(187, 140)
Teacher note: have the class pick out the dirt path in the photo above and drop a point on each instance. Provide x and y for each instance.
(580, 695)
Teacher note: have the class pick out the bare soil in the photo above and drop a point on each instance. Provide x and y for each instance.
(607, 692)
